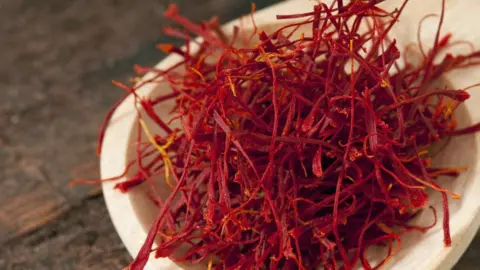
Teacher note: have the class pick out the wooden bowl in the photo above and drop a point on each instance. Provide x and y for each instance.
(133, 213)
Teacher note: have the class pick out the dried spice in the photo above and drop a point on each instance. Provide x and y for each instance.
(296, 150)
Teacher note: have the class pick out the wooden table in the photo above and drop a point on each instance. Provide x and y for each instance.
(57, 59)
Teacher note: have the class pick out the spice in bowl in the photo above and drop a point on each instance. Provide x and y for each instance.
(300, 147)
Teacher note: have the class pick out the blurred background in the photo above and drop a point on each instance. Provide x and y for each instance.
(57, 60)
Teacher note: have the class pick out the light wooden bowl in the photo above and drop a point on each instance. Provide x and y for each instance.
(132, 214)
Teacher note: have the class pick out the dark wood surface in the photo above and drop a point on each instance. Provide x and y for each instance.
(57, 58)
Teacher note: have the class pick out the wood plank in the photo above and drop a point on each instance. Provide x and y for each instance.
(26, 213)
(81, 238)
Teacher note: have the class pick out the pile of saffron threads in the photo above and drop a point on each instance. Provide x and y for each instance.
(296, 150)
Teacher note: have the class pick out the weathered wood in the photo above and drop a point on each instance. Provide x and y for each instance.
(27, 217)
(82, 238)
